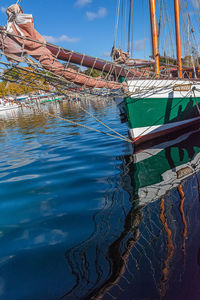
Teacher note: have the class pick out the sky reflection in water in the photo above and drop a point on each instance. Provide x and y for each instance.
(72, 224)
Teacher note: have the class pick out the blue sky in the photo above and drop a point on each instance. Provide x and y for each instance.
(86, 26)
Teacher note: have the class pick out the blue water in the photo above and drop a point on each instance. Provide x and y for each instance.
(70, 227)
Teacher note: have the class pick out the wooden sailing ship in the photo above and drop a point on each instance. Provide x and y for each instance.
(163, 104)
(155, 101)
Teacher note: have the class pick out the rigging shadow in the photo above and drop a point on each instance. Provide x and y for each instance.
(145, 241)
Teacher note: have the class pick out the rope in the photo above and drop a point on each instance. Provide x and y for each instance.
(193, 90)
(78, 124)
(106, 125)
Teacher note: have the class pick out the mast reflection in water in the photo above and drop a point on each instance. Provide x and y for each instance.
(146, 250)
(81, 221)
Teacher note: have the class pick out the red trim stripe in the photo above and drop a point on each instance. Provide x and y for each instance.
(151, 139)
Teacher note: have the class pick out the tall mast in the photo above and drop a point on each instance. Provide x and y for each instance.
(178, 37)
(154, 35)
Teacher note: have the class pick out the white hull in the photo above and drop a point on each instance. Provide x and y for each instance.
(158, 88)
(7, 108)
(148, 93)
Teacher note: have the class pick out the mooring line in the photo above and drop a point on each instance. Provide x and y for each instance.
(77, 124)
(106, 125)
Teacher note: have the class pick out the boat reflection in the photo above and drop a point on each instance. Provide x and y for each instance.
(158, 169)
(139, 250)
(35, 112)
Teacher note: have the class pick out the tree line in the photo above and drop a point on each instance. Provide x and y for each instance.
(13, 89)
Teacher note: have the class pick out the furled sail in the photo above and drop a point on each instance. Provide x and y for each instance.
(20, 38)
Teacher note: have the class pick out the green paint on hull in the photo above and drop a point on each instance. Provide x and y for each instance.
(158, 111)
(150, 171)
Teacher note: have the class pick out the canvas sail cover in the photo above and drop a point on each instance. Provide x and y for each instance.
(24, 39)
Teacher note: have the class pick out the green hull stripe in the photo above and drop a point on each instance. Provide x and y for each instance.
(149, 171)
(158, 111)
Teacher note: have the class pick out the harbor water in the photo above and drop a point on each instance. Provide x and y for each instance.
(84, 217)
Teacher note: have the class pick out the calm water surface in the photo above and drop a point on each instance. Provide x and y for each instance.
(81, 217)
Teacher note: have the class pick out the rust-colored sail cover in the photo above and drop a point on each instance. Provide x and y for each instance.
(22, 25)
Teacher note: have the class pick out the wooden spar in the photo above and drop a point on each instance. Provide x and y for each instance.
(86, 61)
(178, 37)
(81, 59)
(154, 35)
(90, 62)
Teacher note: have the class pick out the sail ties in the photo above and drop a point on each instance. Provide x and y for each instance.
(119, 56)
(16, 16)
(122, 57)
(21, 38)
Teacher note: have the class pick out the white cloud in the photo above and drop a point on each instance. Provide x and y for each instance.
(3, 9)
(196, 3)
(62, 38)
(82, 2)
(101, 13)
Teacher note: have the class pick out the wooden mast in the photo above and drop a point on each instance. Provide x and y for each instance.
(178, 37)
(154, 35)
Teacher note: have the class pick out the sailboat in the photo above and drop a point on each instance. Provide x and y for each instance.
(7, 105)
(155, 101)
(164, 103)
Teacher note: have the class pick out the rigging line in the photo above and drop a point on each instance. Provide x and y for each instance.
(193, 90)
(160, 16)
(122, 25)
(103, 123)
(192, 27)
(194, 12)
(186, 29)
(168, 23)
(2, 30)
(125, 22)
(197, 17)
(162, 38)
(132, 28)
(129, 26)
(173, 27)
(143, 14)
(185, 22)
(77, 124)
(166, 35)
(117, 22)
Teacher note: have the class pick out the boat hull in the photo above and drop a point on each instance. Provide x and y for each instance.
(157, 108)
(8, 107)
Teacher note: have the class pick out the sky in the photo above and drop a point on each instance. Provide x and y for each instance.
(86, 26)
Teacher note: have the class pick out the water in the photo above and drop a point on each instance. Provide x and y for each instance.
(81, 217)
